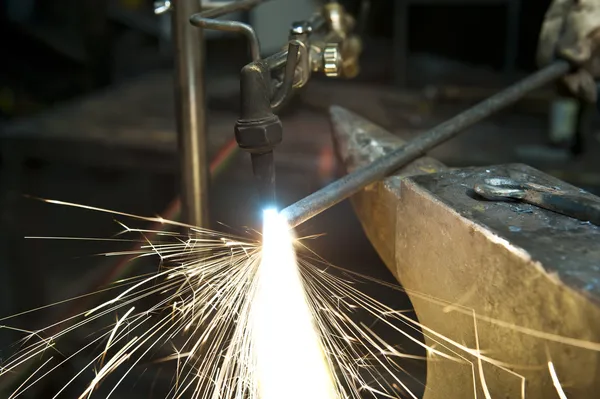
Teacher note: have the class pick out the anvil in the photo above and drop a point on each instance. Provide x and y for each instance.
(522, 279)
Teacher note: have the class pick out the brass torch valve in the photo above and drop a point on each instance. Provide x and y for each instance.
(342, 48)
(329, 45)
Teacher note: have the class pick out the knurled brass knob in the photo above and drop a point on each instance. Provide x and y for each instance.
(332, 60)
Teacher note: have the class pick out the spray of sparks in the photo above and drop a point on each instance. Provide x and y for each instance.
(280, 313)
(239, 318)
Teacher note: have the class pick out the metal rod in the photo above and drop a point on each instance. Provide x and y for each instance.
(343, 188)
(287, 85)
(215, 9)
(277, 60)
(209, 5)
(230, 26)
(190, 98)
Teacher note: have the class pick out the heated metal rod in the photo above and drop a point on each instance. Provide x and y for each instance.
(190, 98)
(343, 188)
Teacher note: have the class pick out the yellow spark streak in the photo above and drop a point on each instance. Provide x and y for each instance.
(556, 382)
(288, 354)
(112, 334)
(240, 327)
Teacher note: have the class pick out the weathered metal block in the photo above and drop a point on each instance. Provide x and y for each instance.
(522, 282)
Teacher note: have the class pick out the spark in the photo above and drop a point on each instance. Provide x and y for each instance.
(556, 382)
(240, 318)
(114, 331)
(286, 345)
(195, 296)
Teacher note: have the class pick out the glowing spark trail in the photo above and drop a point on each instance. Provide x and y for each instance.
(556, 382)
(289, 356)
(238, 319)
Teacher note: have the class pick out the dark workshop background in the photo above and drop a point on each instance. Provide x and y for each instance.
(86, 116)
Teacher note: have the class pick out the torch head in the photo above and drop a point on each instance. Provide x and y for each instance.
(259, 138)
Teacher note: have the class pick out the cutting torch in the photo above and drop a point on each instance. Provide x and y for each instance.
(325, 43)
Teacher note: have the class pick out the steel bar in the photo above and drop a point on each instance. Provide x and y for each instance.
(207, 20)
(348, 185)
(190, 98)
(230, 26)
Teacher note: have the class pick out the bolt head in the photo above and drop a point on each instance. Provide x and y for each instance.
(259, 136)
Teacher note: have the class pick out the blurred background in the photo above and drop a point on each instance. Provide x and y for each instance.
(87, 116)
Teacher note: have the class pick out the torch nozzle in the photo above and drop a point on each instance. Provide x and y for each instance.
(263, 167)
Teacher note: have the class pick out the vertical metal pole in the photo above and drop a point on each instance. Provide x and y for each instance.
(190, 99)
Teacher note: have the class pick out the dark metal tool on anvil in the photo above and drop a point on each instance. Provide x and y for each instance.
(554, 199)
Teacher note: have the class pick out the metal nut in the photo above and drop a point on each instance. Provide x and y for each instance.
(259, 136)
(332, 60)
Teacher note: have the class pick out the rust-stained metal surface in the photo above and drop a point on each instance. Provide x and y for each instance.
(530, 275)
(359, 142)
(564, 246)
